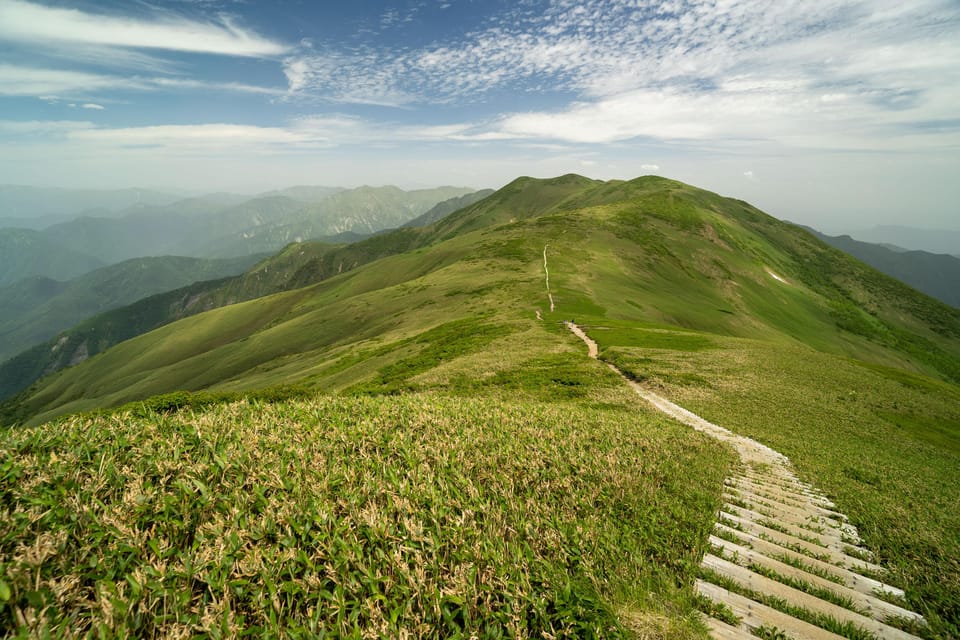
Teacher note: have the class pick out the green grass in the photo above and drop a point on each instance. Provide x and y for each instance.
(429, 515)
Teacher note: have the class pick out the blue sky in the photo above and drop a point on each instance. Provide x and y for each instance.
(836, 113)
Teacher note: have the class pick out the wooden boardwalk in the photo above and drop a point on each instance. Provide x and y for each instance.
(784, 562)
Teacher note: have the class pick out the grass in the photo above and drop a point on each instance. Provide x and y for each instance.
(424, 515)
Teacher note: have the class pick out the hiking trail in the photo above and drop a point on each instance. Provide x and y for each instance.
(547, 276)
(782, 557)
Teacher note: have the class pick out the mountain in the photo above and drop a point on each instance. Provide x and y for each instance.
(305, 193)
(406, 429)
(936, 275)
(38, 307)
(445, 208)
(931, 240)
(26, 253)
(17, 201)
(225, 225)
(364, 210)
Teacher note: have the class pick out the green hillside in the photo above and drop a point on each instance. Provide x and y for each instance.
(41, 307)
(417, 389)
(936, 275)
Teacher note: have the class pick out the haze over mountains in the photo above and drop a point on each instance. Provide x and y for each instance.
(212, 226)
(941, 241)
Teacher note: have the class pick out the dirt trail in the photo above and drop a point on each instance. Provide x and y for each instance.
(546, 272)
(774, 523)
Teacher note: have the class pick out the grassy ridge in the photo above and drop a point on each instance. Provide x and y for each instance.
(884, 444)
(424, 515)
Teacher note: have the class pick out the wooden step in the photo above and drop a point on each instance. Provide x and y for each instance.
(720, 630)
(838, 519)
(748, 485)
(801, 517)
(855, 581)
(755, 615)
(876, 608)
(825, 538)
(795, 597)
(854, 564)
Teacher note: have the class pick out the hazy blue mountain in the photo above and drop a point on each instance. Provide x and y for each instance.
(18, 201)
(25, 253)
(296, 266)
(937, 275)
(225, 225)
(184, 228)
(37, 308)
(361, 211)
(445, 208)
(305, 193)
(37, 223)
(932, 240)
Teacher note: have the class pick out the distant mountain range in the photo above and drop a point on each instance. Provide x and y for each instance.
(211, 226)
(937, 275)
(911, 238)
(35, 207)
(157, 291)
(26, 252)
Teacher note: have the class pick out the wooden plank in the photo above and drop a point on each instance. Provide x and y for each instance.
(756, 615)
(852, 579)
(761, 584)
(800, 517)
(783, 539)
(878, 609)
(720, 630)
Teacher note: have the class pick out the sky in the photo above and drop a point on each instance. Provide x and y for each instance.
(840, 114)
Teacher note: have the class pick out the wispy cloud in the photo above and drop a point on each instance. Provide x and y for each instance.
(33, 24)
(30, 81)
(51, 84)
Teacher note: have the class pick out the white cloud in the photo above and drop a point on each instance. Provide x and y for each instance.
(204, 137)
(92, 105)
(650, 167)
(52, 84)
(748, 174)
(30, 81)
(34, 24)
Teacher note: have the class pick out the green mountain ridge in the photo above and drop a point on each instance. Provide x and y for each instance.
(401, 434)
